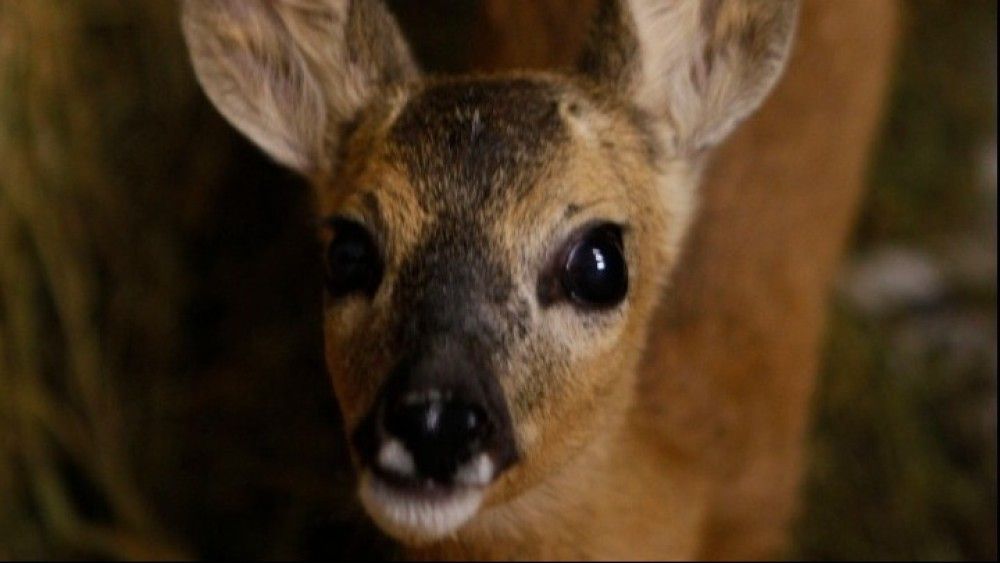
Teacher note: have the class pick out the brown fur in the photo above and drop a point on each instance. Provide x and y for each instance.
(734, 348)
(471, 184)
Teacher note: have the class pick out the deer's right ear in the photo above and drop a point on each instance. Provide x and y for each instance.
(289, 73)
(696, 67)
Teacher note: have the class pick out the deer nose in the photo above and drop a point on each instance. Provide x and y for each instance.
(440, 433)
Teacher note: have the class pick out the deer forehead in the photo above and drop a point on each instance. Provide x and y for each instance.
(491, 163)
(475, 144)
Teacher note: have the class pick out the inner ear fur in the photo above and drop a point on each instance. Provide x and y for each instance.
(289, 74)
(698, 66)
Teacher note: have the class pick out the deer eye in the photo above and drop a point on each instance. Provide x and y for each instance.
(594, 273)
(353, 264)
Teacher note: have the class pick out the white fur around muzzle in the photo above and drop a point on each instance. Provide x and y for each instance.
(416, 518)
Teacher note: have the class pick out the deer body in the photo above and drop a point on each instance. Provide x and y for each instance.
(496, 248)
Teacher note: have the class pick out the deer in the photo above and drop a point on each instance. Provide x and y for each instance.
(499, 249)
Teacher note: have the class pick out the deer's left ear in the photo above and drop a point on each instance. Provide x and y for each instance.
(698, 66)
(289, 73)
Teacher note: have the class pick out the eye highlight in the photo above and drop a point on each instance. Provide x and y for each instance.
(353, 264)
(590, 270)
(595, 274)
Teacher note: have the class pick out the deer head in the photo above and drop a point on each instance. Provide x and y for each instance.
(494, 245)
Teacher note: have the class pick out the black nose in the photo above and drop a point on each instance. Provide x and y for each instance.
(440, 433)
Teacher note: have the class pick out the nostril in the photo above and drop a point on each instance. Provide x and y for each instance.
(441, 435)
(436, 421)
(463, 422)
(413, 422)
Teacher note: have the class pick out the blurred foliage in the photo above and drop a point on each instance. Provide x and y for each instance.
(154, 357)
(162, 389)
(904, 459)
(943, 106)
(85, 312)
(903, 463)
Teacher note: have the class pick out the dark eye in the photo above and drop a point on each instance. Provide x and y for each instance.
(353, 264)
(595, 274)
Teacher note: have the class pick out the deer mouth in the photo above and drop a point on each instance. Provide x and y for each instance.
(428, 450)
(422, 496)
(420, 512)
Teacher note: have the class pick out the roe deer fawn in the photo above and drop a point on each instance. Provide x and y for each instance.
(495, 249)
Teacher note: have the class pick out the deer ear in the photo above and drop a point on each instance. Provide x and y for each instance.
(698, 66)
(289, 73)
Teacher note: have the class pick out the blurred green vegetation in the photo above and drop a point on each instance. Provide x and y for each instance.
(904, 459)
(925, 174)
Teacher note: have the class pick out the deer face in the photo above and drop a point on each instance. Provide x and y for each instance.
(497, 238)
(494, 246)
